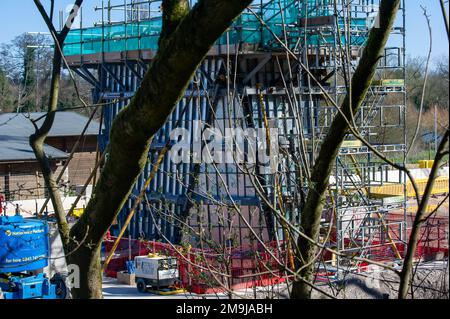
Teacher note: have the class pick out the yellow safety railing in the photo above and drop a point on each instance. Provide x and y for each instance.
(440, 187)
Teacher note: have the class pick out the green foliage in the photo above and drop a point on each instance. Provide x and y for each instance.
(6, 97)
(25, 73)
(437, 86)
(29, 79)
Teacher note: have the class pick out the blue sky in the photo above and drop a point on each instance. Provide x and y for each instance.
(18, 16)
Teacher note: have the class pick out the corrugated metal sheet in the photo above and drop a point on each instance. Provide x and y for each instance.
(66, 124)
(16, 148)
(15, 129)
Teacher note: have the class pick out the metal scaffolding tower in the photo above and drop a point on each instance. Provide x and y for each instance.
(254, 77)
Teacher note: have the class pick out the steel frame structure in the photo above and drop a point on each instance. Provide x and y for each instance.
(248, 80)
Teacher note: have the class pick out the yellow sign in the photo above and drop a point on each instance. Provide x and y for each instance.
(78, 212)
(351, 144)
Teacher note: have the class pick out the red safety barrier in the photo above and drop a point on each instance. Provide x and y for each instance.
(433, 237)
(126, 250)
(204, 271)
(432, 244)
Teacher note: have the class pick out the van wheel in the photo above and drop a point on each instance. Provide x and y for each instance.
(141, 286)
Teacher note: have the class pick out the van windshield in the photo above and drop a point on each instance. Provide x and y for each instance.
(166, 264)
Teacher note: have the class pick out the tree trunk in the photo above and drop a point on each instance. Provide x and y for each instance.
(168, 76)
(37, 141)
(406, 274)
(312, 212)
(90, 270)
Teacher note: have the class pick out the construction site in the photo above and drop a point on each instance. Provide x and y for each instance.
(227, 176)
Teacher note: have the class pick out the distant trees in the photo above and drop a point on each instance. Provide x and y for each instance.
(29, 78)
(25, 72)
(436, 105)
(6, 97)
(437, 86)
(436, 102)
(26, 64)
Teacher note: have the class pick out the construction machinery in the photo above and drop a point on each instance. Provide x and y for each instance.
(156, 273)
(24, 252)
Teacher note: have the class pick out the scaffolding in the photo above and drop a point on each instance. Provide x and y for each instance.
(254, 77)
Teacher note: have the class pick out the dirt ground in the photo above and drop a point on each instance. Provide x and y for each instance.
(443, 210)
(431, 282)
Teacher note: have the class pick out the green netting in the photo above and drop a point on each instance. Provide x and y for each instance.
(247, 29)
(122, 37)
(316, 8)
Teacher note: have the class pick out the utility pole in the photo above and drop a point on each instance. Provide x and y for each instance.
(435, 129)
